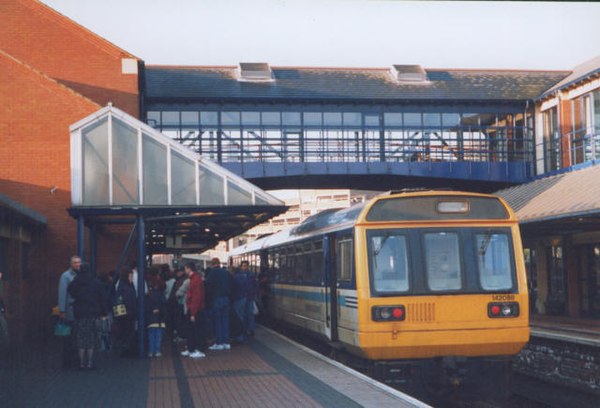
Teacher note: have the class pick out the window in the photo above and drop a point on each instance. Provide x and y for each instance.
(494, 261)
(389, 261)
(551, 135)
(317, 261)
(344, 266)
(442, 261)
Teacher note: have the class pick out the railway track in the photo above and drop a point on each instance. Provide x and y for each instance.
(526, 391)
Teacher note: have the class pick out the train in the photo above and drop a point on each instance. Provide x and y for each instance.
(411, 279)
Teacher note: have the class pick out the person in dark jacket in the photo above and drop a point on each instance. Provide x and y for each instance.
(220, 284)
(155, 311)
(244, 292)
(125, 324)
(89, 304)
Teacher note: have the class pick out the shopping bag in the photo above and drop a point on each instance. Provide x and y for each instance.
(62, 329)
(119, 310)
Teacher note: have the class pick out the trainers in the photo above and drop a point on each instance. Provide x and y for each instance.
(185, 353)
(226, 346)
(150, 355)
(216, 347)
(197, 354)
(158, 355)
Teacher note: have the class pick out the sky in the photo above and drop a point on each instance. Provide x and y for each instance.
(346, 33)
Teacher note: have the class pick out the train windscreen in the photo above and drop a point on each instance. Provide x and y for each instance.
(441, 260)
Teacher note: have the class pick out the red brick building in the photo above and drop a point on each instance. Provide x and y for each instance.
(54, 72)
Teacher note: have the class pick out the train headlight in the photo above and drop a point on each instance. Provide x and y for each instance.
(506, 309)
(388, 313)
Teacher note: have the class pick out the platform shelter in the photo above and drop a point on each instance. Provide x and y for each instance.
(125, 174)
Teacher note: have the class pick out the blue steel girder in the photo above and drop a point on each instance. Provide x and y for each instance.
(424, 172)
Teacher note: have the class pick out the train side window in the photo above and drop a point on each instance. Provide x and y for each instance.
(344, 266)
(494, 261)
(317, 262)
(442, 261)
(388, 256)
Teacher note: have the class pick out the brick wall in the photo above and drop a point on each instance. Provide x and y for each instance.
(71, 54)
(563, 363)
(35, 171)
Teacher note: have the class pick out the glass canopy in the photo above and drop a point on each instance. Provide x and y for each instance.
(116, 160)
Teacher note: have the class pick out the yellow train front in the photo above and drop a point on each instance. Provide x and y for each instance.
(439, 275)
(433, 279)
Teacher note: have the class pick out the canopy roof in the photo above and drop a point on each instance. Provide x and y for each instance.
(121, 168)
(564, 202)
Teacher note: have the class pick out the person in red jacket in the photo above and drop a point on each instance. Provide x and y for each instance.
(194, 300)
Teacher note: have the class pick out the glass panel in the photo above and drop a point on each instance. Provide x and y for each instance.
(170, 119)
(371, 120)
(237, 196)
(211, 187)
(442, 261)
(389, 261)
(352, 119)
(154, 119)
(332, 118)
(392, 119)
(312, 118)
(155, 171)
(190, 119)
(125, 164)
(230, 118)
(432, 119)
(209, 118)
(260, 201)
(183, 180)
(412, 119)
(291, 118)
(250, 118)
(344, 267)
(95, 164)
(493, 255)
(450, 119)
(271, 118)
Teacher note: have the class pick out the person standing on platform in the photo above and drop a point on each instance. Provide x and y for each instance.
(155, 312)
(65, 307)
(89, 304)
(220, 283)
(195, 308)
(244, 292)
(125, 323)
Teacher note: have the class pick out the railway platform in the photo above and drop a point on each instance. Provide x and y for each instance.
(267, 371)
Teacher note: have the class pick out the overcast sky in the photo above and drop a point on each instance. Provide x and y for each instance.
(346, 33)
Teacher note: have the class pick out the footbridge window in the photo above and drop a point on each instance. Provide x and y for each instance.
(406, 134)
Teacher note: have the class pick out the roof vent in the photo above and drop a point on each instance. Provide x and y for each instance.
(255, 72)
(409, 73)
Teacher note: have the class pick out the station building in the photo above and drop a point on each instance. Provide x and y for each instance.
(532, 135)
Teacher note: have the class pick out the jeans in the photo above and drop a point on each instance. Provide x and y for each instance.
(154, 339)
(244, 310)
(221, 316)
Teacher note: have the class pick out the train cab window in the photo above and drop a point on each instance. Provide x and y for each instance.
(442, 261)
(494, 261)
(344, 266)
(389, 262)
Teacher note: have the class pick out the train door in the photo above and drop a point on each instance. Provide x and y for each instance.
(330, 287)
